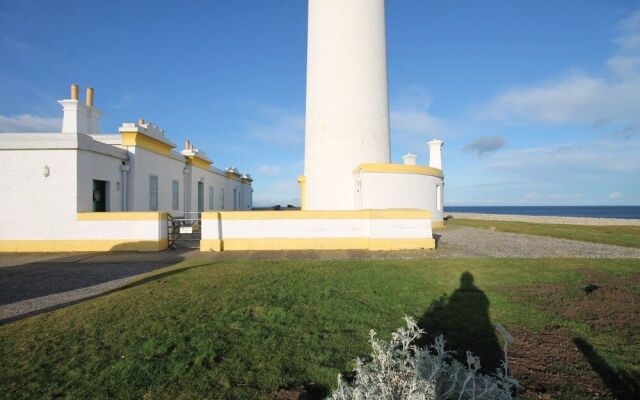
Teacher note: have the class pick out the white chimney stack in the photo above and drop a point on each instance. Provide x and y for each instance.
(409, 159)
(435, 153)
(79, 117)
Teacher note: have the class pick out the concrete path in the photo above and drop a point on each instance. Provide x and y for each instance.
(35, 282)
(31, 283)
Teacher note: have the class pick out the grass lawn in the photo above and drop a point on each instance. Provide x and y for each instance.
(248, 329)
(628, 236)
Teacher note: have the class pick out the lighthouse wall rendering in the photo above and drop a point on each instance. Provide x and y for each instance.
(347, 110)
(352, 196)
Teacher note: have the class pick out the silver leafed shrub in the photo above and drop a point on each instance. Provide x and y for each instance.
(400, 370)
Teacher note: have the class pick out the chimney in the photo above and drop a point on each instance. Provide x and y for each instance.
(75, 92)
(77, 117)
(89, 99)
(409, 159)
(435, 153)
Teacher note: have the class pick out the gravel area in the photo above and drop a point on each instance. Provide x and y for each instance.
(462, 241)
(547, 219)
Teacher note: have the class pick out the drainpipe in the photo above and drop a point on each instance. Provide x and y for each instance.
(125, 171)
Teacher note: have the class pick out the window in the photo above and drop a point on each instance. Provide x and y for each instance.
(235, 196)
(210, 197)
(175, 194)
(222, 199)
(153, 192)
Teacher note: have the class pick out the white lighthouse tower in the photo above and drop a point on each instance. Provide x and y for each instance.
(347, 114)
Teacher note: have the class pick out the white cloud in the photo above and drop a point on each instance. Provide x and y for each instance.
(580, 97)
(278, 126)
(270, 169)
(29, 123)
(558, 162)
(615, 195)
(410, 114)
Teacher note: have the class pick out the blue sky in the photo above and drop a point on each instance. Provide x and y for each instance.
(538, 102)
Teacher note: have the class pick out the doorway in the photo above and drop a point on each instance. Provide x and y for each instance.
(99, 196)
(200, 197)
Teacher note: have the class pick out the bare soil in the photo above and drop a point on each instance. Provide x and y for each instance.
(551, 362)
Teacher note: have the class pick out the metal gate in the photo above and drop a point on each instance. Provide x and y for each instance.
(184, 230)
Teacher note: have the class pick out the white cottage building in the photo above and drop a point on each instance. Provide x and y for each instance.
(54, 182)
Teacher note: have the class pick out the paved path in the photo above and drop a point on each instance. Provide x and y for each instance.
(31, 283)
(35, 282)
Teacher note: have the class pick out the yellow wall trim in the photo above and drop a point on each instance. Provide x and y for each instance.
(122, 216)
(400, 169)
(329, 214)
(40, 246)
(138, 139)
(199, 162)
(437, 224)
(316, 244)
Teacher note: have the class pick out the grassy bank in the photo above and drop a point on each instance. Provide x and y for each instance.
(247, 329)
(628, 236)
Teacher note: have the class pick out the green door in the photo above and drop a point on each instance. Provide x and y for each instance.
(99, 196)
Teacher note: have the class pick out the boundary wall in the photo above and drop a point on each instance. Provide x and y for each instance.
(317, 230)
(111, 231)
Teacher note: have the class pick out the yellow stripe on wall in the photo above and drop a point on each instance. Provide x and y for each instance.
(346, 214)
(400, 169)
(41, 246)
(122, 216)
(315, 244)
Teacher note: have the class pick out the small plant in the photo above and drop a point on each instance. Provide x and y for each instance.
(400, 370)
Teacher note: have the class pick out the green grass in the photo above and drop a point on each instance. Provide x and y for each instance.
(628, 236)
(241, 329)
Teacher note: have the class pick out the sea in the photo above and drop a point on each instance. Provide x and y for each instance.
(626, 212)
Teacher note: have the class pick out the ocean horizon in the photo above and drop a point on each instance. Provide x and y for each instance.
(625, 212)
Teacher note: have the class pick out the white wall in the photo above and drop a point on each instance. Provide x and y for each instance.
(273, 230)
(94, 166)
(144, 163)
(393, 190)
(46, 208)
(347, 110)
(37, 205)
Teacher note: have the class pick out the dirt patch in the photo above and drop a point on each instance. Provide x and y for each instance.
(300, 392)
(612, 302)
(549, 364)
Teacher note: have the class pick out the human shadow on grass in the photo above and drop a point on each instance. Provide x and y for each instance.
(463, 319)
(622, 384)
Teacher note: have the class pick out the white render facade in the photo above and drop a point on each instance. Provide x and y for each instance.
(53, 180)
(347, 136)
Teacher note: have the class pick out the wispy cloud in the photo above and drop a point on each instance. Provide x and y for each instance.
(277, 126)
(485, 145)
(560, 162)
(29, 123)
(270, 169)
(410, 115)
(12, 42)
(579, 97)
(615, 195)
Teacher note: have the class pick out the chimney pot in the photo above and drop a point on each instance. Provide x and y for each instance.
(89, 99)
(75, 92)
